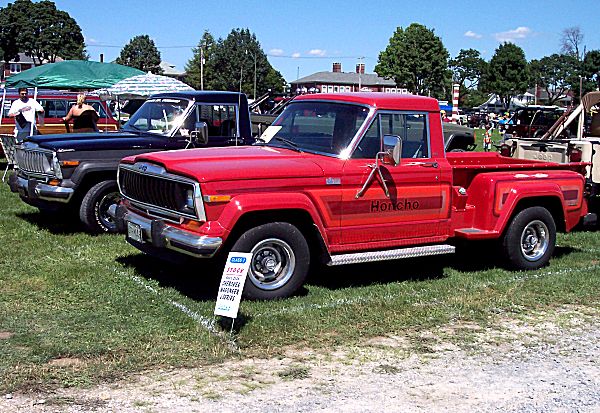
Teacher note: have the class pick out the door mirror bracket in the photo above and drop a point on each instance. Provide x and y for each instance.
(199, 136)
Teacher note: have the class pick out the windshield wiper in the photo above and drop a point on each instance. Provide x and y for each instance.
(288, 142)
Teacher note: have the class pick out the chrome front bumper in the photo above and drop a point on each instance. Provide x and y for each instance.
(162, 235)
(32, 189)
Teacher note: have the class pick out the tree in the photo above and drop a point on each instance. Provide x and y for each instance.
(507, 73)
(416, 59)
(193, 69)
(571, 41)
(234, 60)
(41, 31)
(591, 70)
(141, 53)
(557, 74)
(13, 18)
(467, 69)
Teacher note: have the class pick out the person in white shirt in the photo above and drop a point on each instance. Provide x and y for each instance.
(24, 110)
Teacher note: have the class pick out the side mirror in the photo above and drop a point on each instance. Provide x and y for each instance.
(199, 136)
(392, 149)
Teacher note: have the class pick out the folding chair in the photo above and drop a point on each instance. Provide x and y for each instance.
(9, 145)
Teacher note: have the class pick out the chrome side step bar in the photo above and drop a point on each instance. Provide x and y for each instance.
(370, 256)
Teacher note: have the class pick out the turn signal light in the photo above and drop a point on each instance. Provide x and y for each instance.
(54, 182)
(69, 163)
(217, 198)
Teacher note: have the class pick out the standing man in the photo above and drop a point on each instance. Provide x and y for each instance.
(24, 110)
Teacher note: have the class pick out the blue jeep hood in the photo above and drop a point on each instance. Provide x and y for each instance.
(98, 141)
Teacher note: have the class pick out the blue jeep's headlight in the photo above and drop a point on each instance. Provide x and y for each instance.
(56, 167)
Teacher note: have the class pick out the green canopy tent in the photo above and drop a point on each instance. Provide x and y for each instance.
(70, 74)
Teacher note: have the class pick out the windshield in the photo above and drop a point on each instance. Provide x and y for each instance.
(161, 116)
(314, 126)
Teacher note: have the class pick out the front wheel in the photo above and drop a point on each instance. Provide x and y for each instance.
(530, 238)
(95, 204)
(280, 260)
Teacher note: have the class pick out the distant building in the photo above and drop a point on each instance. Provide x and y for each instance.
(14, 67)
(337, 81)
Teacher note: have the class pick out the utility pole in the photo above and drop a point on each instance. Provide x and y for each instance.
(254, 76)
(201, 67)
(360, 62)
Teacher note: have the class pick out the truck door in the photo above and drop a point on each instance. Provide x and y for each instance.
(417, 202)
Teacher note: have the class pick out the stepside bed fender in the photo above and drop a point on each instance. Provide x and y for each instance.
(561, 192)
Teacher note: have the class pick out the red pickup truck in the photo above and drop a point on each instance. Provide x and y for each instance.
(339, 179)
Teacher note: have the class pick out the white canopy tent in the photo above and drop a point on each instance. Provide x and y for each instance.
(142, 86)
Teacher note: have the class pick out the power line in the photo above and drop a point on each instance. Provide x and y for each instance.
(266, 54)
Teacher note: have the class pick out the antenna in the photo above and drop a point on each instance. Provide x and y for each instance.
(239, 100)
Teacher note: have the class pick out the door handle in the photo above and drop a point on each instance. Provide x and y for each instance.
(424, 164)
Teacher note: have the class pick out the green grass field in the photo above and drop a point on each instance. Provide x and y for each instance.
(76, 309)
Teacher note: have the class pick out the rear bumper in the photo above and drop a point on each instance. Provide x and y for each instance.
(32, 189)
(162, 235)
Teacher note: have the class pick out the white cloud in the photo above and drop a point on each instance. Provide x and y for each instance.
(317, 52)
(512, 35)
(276, 52)
(472, 35)
(296, 55)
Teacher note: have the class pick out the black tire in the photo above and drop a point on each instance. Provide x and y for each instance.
(94, 207)
(280, 260)
(529, 240)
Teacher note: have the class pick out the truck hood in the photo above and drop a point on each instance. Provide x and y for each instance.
(235, 163)
(97, 141)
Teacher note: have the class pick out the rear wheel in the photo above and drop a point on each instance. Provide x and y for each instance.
(280, 260)
(95, 204)
(530, 238)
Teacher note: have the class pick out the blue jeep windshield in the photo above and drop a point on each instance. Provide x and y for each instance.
(161, 116)
(314, 126)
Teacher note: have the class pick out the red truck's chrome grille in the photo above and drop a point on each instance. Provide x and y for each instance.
(161, 193)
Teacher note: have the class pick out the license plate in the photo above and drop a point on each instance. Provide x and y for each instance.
(134, 231)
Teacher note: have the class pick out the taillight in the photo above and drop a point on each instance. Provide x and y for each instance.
(505, 150)
(575, 155)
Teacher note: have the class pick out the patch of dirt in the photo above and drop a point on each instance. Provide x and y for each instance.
(548, 361)
(5, 335)
(65, 362)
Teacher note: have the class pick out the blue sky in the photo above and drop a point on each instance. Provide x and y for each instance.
(303, 37)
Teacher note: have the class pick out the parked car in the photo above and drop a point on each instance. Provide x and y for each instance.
(56, 105)
(78, 172)
(532, 121)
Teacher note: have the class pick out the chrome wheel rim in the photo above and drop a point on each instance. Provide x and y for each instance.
(273, 263)
(534, 240)
(102, 209)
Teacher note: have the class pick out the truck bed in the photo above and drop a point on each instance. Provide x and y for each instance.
(466, 165)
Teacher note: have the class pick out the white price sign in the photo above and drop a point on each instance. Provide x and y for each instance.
(232, 284)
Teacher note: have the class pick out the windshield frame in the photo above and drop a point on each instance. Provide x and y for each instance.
(345, 153)
(132, 128)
